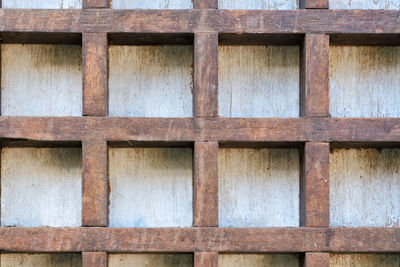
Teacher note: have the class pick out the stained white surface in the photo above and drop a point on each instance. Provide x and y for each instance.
(258, 260)
(152, 4)
(365, 187)
(41, 260)
(365, 260)
(41, 80)
(150, 260)
(150, 187)
(258, 4)
(364, 81)
(150, 81)
(364, 4)
(41, 187)
(258, 81)
(258, 187)
(52, 4)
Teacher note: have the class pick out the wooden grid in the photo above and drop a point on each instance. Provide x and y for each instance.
(313, 28)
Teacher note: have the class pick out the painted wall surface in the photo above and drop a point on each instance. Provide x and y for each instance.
(150, 81)
(364, 4)
(258, 81)
(41, 80)
(258, 260)
(50, 4)
(152, 4)
(41, 187)
(258, 4)
(150, 260)
(150, 187)
(258, 187)
(42, 260)
(364, 81)
(365, 260)
(365, 187)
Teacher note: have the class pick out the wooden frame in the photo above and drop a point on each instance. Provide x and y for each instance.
(313, 29)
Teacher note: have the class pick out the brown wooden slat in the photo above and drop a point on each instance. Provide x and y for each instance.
(94, 259)
(95, 74)
(314, 77)
(316, 260)
(205, 184)
(205, 4)
(309, 4)
(95, 3)
(205, 75)
(95, 183)
(314, 185)
(205, 259)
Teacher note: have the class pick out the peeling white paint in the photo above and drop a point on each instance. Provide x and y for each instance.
(150, 260)
(49, 4)
(152, 4)
(364, 4)
(258, 4)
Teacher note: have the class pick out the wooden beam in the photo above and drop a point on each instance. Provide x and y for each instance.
(98, 259)
(314, 76)
(206, 184)
(205, 75)
(205, 259)
(95, 74)
(314, 185)
(205, 4)
(310, 4)
(95, 4)
(317, 260)
(95, 183)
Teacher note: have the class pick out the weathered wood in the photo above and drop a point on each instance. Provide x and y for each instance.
(41, 187)
(205, 95)
(152, 4)
(205, 184)
(95, 74)
(314, 76)
(364, 4)
(258, 260)
(258, 81)
(42, 260)
(150, 187)
(205, 259)
(205, 4)
(95, 3)
(314, 185)
(257, 4)
(53, 80)
(95, 183)
(364, 81)
(317, 260)
(151, 260)
(309, 4)
(48, 4)
(98, 259)
(135, 90)
(364, 187)
(258, 187)
(365, 260)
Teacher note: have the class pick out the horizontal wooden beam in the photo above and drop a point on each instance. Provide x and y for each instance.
(209, 20)
(126, 240)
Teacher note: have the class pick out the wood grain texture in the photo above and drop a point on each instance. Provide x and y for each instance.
(95, 3)
(364, 81)
(52, 84)
(258, 187)
(258, 4)
(150, 81)
(42, 260)
(48, 4)
(95, 183)
(310, 4)
(41, 187)
(314, 76)
(150, 260)
(258, 260)
(364, 188)
(205, 97)
(205, 4)
(258, 81)
(365, 260)
(152, 4)
(95, 74)
(314, 185)
(364, 4)
(205, 259)
(316, 260)
(98, 259)
(150, 187)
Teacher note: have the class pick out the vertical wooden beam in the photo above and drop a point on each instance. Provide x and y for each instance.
(205, 75)
(95, 74)
(316, 260)
(314, 185)
(94, 259)
(314, 4)
(205, 184)
(314, 76)
(95, 4)
(205, 259)
(95, 183)
(205, 4)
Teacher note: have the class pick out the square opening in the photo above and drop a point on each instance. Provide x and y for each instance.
(258, 260)
(150, 81)
(151, 4)
(364, 81)
(364, 4)
(41, 187)
(259, 4)
(365, 260)
(144, 260)
(365, 187)
(258, 81)
(150, 187)
(41, 80)
(42, 260)
(258, 187)
(47, 4)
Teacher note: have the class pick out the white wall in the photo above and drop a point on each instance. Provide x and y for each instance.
(153, 4)
(150, 260)
(52, 4)
(258, 4)
(365, 260)
(42, 260)
(258, 260)
(364, 4)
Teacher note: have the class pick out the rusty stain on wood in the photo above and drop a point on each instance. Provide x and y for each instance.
(150, 260)
(258, 260)
(41, 4)
(42, 260)
(365, 260)
(364, 4)
(258, 4)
